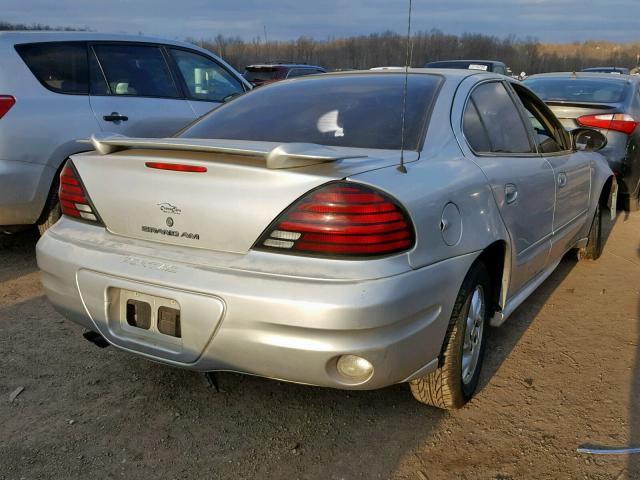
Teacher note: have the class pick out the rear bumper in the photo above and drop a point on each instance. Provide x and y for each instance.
(277, 326)
(23, 191)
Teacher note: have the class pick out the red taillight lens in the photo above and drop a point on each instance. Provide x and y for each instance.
(341, 219)
(74, 200)
(619, 122)
(6, 102)
(176, 167)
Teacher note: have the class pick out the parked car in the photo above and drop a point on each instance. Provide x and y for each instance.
(482, 65)
(620, 70)
(609, 103)
(56, 88)
(295, 233)
(263, 74)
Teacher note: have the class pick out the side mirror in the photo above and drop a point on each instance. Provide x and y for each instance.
(588, 139)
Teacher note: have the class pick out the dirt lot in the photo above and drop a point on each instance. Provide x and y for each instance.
(564, 371)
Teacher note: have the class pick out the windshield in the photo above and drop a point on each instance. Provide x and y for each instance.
(347, 110)
(591, 90)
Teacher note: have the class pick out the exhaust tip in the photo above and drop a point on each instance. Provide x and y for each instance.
(96, 338)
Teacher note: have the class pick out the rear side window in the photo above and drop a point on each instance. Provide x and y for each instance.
(591, 90)
(501, 119)
(204, 78)
(136, 70)
(60, 67)
(347, 110)
(474, 130)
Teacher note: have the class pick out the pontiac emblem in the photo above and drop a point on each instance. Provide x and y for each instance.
(168, 208)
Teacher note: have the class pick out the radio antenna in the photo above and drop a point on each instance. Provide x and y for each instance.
(407, 62)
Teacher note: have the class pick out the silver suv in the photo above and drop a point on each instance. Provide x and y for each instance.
(56, 88)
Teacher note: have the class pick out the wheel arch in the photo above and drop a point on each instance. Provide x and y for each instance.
(496, 257)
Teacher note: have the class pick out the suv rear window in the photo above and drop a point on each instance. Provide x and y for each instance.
(60, 67)
(350, 110)
(591, 90)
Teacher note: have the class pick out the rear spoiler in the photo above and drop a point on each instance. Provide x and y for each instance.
(286, 155)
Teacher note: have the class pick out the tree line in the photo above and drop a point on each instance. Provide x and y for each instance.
(6, 26)
(389, 49)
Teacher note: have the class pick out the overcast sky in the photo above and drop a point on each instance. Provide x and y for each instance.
(548, 20)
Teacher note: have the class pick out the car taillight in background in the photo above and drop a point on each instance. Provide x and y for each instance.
(341, 219)
(619, 122)
(74, 200)
(6, 102)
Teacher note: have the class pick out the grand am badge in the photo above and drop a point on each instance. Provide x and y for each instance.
(170, 233)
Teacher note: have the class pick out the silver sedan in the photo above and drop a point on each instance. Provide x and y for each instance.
(347, 230)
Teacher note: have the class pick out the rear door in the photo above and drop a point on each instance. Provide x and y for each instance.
(522, 181)
(133, 91)
(206, 83)
(572, 170)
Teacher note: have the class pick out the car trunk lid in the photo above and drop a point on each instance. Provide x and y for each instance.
(228, 199)
(569, 112)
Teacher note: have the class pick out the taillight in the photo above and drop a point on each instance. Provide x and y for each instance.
(619, 122)
(6, 102)
(74, 200)
(176, 167)
(341, 219)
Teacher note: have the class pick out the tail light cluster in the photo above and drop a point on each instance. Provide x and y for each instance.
(619, 122)
(74, 200)
(341, 219)
(6, 102)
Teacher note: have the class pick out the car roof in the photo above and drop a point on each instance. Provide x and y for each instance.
(594, 69)
(453, 73)
(490, 62)
(592, 75)
(48, 36)
(291, 65)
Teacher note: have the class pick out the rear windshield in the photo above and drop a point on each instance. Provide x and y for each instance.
(350, 111)
(590, 90)
(261, 74)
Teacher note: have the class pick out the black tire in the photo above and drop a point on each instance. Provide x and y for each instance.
(51, 212)
(595, 243)
(444, 388)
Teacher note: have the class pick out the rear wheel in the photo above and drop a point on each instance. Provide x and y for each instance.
(456, 379)
(51, 212)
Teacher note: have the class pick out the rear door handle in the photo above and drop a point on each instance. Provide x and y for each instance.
(510, 193)
(115, 117)
(562, 179)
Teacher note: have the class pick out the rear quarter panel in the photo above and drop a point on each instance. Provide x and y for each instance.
(441, 176)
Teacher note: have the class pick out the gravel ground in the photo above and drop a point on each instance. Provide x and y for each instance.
(564, 371)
